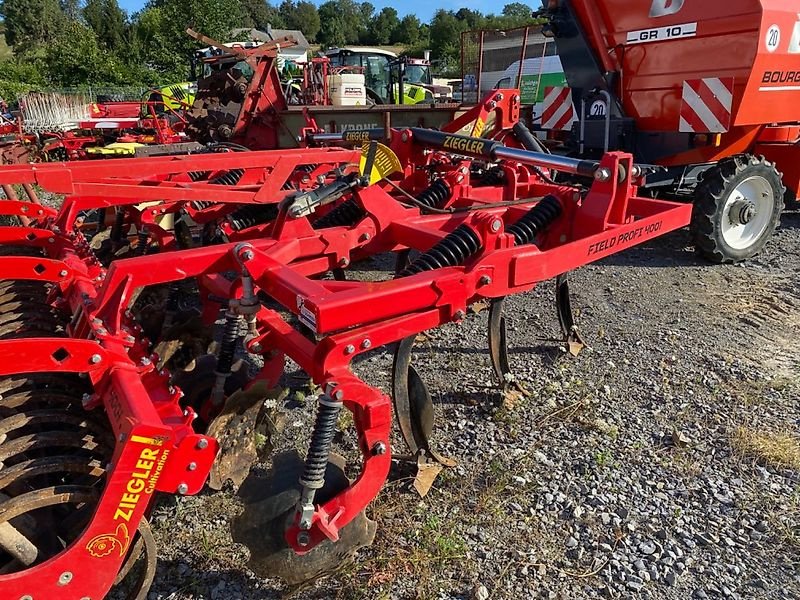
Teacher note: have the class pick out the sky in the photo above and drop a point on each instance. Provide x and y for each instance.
(424, 9)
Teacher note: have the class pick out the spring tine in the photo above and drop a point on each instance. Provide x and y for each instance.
(566, 320)
(400, 392)
(498, 346)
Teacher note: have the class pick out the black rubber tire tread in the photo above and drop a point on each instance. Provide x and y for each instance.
(710, 199)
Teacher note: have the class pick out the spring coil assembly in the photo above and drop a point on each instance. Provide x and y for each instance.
(321, 441)
(144, 242)
(452, 251)
(435, 195)
(538, 218)
(255, 214)
(198, 175)
(231, 177)
(227, 346)
(347, 213)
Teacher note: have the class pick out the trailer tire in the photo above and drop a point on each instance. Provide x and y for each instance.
(745, 188)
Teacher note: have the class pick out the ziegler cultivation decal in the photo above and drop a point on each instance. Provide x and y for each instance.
(142, 482)
(663, 8)
(663, 34)
(623, 239)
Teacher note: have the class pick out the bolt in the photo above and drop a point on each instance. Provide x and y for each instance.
(459, 179)
(496, 225)
(517, 98)
(459, 315)
(95, 358)
(305, 524)
(404, 137)
(62, 273)
(145, 362)
(182, 489)
(26, 597)
(51, 240)
(155, 211)
(499, 97)
(65, 578)
(485, 280)
(202, 444)
(365, 237)
(130, 339)
(192, 466)
(86, 399)
(247, 255)
(366, 344)
(303, 540)
(349, 349)
(121, 437)
(101, 331)
(295, 211)
(344, 261)
(602, 174)
(339, 395)
(255, 348)
(379, 449)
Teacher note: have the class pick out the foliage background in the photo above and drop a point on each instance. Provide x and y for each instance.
(56, 44)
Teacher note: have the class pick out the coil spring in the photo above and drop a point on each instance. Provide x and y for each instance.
(436, 195)
(452, 251)
(201, 204)
(227, 347)
(347, 213)
(144, 242)
(231, 177)
(547, 210)
(116, 228)
(321, 441)
(198, 175)
(247, 216)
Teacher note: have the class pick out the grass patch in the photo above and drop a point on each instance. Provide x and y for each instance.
(778, 449)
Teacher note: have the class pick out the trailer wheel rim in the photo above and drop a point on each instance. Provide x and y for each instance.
(748, 212)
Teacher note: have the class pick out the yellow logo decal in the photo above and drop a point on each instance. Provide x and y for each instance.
(107, 543)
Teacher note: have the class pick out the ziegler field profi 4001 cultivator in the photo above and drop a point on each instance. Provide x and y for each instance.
(101, 326)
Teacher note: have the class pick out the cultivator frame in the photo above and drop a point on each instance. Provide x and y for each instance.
(487, 226)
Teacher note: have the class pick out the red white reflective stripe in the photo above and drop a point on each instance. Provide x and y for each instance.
(707, 105)
(558, 112)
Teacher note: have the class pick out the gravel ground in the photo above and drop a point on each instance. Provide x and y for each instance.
(617, 476)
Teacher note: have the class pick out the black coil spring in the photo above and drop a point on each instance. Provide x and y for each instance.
(452, 251)
(231, 177)
(321, 441)
(547, 210)
(436, 195)
(198, 175)
(144, 242)
(347, 213)
(255, 214)
(116, 228)
(227, 347)
(201, 204)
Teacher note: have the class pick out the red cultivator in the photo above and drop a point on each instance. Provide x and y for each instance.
(99, 411)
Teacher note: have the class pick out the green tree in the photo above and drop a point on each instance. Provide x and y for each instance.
(302, 16)
(76, 58)
(383, 26)
(31, 23)
(260, 14)
(107, 20)
(518, 11)
(341, 22)
(407, 32)
(445, 36)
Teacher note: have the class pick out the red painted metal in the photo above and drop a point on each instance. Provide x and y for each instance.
(284, 260)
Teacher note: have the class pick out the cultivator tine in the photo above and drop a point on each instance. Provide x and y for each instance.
(569, 330)
(415, 416)
(498, 348)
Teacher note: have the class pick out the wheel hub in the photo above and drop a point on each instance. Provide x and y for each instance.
(743, 212)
